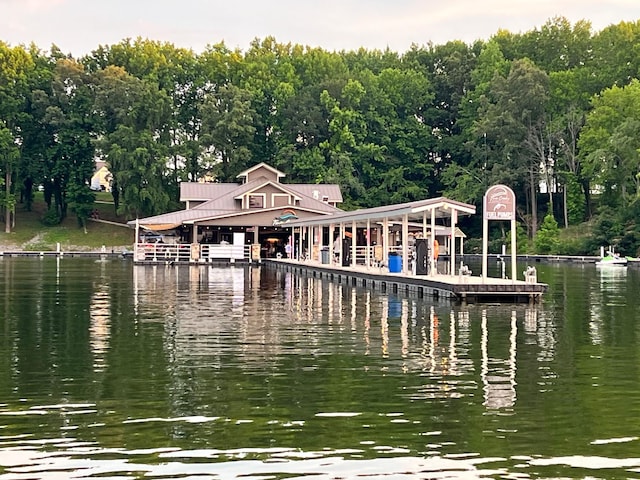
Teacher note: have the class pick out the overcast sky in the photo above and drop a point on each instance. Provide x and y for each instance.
(79, 26)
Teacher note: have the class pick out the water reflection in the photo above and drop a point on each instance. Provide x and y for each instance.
(402, 322)
(242, 372)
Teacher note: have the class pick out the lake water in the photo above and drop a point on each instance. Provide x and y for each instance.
(114, 371)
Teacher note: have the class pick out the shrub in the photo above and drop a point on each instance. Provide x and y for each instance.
(50, 218)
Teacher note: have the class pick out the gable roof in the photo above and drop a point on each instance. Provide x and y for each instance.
(195, 191)
(246, 173)
(192, 191)
(168, 221)
(257, 184)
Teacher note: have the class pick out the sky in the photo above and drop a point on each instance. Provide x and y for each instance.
(80, 26)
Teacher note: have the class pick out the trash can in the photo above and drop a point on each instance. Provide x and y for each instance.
(395, 263)
(324, 255)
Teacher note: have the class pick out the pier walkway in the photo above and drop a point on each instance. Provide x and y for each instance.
(463, 287)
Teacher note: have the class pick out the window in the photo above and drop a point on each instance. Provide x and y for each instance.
(256, 201)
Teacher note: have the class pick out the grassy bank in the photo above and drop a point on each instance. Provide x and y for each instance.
(31, 235)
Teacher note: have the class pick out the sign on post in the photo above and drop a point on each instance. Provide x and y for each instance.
(499, 204)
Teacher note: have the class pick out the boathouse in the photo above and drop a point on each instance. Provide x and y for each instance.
(236, 220)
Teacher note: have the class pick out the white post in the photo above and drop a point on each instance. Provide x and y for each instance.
(385, 241)
(432, 240)
(331, 240)
(353, 243)
(485, 244)
(452, 246)
(405, 243)
(137, 239)
(513, 250)
(368, 256)
(424, 224)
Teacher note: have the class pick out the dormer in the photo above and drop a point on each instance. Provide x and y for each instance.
(261, 170)
(263, 193)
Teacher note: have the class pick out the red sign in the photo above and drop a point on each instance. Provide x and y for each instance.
(499, 203)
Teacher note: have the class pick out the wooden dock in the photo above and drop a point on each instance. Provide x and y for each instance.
(457, 288)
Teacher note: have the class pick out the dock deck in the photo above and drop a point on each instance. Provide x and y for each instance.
(460, 288)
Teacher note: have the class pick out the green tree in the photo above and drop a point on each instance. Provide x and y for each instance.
(133, 114)
(70, 160)
(609, 144)
(516, 123)
(547, 237)
(15, 67)
(9, 154)
(228, 129)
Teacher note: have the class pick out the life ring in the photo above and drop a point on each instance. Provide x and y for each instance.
(436, 249)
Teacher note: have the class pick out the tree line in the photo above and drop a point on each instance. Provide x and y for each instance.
(553, 112)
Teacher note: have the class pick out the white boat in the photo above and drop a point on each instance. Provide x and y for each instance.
(611, 259)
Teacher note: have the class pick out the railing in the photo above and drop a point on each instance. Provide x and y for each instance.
(184, 252)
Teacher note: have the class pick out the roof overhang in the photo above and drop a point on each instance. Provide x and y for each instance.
(414, 211)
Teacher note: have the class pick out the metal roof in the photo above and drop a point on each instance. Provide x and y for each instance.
(414, 210)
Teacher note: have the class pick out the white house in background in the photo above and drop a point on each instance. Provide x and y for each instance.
(101, 179)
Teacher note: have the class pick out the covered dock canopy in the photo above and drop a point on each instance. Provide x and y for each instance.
(427, 218)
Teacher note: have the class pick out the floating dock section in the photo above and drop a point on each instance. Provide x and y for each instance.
(457, 288)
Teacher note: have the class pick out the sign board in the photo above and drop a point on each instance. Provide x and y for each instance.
(499, 203)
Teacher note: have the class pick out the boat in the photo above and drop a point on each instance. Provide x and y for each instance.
(611, 259)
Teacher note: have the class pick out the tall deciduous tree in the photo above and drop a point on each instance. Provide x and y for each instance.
(133, 115)
(70, 162)
(15, 66)
(228, 129)
(609, 144)
(516, 117)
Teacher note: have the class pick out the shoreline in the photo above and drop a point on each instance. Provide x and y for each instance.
(127, 250)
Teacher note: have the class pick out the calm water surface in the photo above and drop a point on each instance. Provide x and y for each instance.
(113, 371)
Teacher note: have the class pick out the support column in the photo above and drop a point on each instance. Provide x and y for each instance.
(485, 245)
(332, 228)
(341, 236)
(385, 241)
(367, 261)
(424, 224)
(452, 247)
(513, 250)
(405, 244)
(353, 243)
(432, 241)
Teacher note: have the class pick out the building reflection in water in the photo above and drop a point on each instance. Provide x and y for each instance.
(457, 348)
(100, 317)
(499, 374)
(609, 291)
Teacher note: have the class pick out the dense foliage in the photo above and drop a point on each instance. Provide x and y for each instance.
(554, 113)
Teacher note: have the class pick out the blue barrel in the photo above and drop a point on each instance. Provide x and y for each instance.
(395, 263)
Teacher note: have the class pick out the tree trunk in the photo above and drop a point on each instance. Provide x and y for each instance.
(534, 204)
(587, 198)
(564, 206)
(7, 183)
